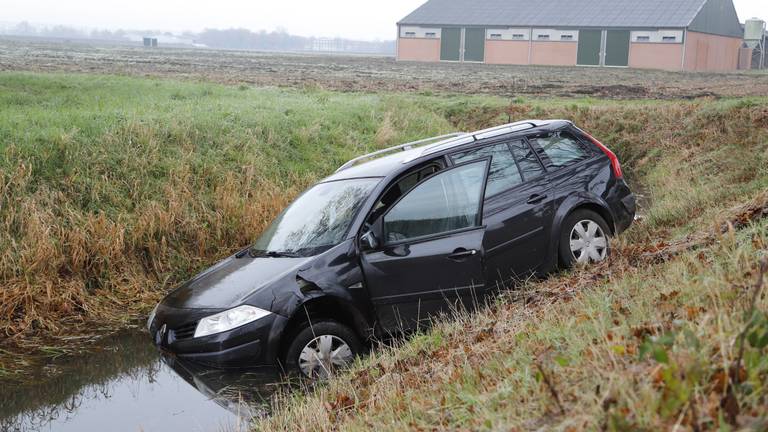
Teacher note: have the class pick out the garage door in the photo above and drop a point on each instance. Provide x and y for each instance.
(450, 44)
(589, 47)
(474, 44)
(617, 48)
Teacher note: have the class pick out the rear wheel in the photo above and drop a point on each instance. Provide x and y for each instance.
(584, 239)
(320, 349)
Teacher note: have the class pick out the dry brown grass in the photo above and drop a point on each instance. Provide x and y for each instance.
(66, 268)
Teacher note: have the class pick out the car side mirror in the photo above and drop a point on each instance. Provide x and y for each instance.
(368, 241)
(371, 237)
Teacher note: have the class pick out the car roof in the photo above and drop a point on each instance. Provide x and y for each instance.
(404, 156)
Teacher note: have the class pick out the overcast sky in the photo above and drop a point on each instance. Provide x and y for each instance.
(358, 19)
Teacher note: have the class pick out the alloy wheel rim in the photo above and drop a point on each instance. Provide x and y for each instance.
(323, 355)
(588, 242)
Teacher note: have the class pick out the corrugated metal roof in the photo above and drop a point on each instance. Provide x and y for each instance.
(557, 13)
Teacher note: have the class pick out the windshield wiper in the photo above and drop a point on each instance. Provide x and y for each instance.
(273, 254)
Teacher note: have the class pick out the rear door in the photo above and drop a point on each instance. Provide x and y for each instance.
(517, 211)
(432, 257)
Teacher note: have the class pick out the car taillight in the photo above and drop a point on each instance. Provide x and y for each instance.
(615, 165)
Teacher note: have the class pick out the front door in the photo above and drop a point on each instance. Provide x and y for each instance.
(431, 260)
(450, 44)
(617, 48)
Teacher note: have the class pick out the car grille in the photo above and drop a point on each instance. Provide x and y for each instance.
(186, 331)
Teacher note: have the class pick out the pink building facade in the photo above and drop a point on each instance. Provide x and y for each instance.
(647, 49)
(680, 35)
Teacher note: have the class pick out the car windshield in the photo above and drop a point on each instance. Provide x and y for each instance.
(316, 221)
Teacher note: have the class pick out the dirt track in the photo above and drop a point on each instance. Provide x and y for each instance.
(364, 73)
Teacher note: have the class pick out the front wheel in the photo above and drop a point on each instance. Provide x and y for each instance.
(584, 239)
(320, 349)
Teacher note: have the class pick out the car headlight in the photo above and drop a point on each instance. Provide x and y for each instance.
(152, 317)
(229, 319)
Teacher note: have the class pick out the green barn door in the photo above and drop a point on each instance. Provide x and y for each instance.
(589, 47)
(617, 48)
(474, 44)
(450, 44)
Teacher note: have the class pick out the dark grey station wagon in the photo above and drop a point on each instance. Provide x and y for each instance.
(397, 236)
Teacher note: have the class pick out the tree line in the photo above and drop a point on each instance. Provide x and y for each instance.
(233, 38)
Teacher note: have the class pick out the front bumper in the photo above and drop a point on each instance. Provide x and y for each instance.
(253, 344)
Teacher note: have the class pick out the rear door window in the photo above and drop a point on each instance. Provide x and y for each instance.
(503, 174)
(447, 201)
(561, 148)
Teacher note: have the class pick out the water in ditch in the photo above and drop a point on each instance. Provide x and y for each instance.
(124, 384)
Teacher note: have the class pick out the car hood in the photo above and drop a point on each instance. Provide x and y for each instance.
(228, 283)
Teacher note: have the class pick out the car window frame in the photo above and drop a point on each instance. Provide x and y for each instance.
(490, 144)
(478, 218)
(507, 141)
(442, 162)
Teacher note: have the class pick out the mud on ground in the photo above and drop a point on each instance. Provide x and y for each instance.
(368, 73)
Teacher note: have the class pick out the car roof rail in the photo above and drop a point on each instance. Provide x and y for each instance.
(481, 134)
(507, 128)
(403, 147)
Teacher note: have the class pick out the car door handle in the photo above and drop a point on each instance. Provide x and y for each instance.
(536, 198)
(461, 254)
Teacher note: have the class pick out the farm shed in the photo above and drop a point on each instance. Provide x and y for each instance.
(690, 35)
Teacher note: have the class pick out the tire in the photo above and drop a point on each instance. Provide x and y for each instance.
(309, 355)
(593, 249)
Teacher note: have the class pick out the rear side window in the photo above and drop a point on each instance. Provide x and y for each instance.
(447, 201)
(529, 164)
(503, 174)
(561, 148)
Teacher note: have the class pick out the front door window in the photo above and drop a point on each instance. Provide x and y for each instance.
(448, 201)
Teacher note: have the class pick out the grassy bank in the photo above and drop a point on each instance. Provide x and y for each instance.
(651, 340)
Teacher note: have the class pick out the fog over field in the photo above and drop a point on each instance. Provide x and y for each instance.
(350, 19)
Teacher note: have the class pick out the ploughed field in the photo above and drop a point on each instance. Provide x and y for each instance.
(366, 73)
(117, 188)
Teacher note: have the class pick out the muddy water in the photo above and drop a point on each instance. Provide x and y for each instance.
(126, 385)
